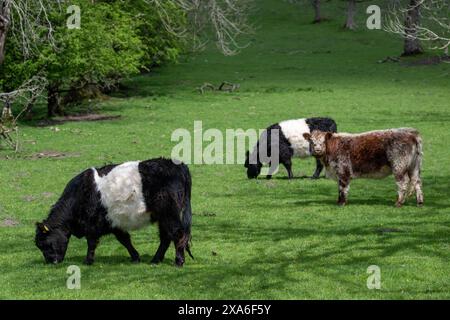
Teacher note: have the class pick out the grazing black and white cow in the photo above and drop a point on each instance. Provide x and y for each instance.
(119, 198)
(290, 143)
(373, 154)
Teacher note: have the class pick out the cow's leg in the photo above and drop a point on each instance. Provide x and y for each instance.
(172, 229)
(288, 165)
(163, 245)
(180, 242)
(416, 183)
(92, 243)
(319, 168)
(124, 238)
(344, 187)
(402, 181)
(269, 171)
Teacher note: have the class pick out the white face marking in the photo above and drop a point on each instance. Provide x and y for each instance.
(317, 141)
(121, 195)
(293, 130)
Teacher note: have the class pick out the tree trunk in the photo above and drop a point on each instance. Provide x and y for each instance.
(316, 6)
(4, 25)
(28, 114)
(351, 10)
(53, 100)
(412, 44)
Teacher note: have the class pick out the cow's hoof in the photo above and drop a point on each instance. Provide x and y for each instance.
(315, 177)
(398, 204)
(419, 204)
(89, 262)
(179, 262)
(341, 204)
(155, 261)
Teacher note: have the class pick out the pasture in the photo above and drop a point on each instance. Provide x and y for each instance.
(252, 239)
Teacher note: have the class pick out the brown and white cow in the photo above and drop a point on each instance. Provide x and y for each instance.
(374, 154)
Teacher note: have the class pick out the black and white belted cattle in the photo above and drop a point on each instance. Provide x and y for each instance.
(117, 199)
(287, 138)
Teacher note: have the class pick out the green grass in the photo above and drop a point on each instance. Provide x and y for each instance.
(275, 239)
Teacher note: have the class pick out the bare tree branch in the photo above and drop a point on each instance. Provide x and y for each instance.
(26, 95)
(434, 26)
(225, 20)
(28, 22)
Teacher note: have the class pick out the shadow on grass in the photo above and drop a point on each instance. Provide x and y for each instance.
(324, 253)
(267, 270)
(436, 193)
(103, 259)
(280, 177)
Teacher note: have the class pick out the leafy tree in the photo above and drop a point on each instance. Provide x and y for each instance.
(105, 49)
(116, 39)
(160, 45)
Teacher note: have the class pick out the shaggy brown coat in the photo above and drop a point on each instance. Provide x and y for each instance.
(374, 154)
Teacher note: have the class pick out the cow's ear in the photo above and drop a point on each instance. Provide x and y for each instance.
(43, 227)
(328, 135)
(307, 136)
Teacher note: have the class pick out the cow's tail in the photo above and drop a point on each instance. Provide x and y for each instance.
(186, 218)
(186, 222)
(415, 167)
(417, 158)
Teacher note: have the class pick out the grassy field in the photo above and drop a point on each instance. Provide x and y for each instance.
(261, 239)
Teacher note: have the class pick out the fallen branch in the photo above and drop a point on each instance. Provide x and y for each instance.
(206, 86)
(228, 86)
(224, 86)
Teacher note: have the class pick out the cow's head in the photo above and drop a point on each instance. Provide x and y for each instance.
(317, 140)
(253, 169)
(52, 242)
